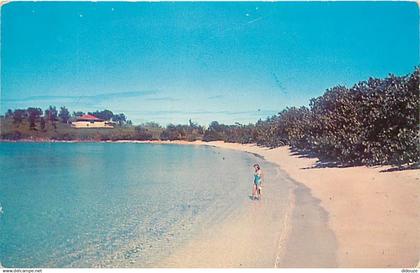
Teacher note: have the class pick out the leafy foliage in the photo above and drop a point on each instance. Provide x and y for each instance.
(190, 132)
(51, 114)
(119, 118)
(18, 116)
(33, 115)
(230, 133)
(374, 122)
(64, 114)
(105, 114)
(77, 114)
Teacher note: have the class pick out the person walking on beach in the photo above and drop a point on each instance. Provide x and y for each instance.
(258, 179)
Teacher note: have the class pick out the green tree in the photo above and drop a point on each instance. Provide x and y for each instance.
(119, 118)
(152, 125)
(9, 114)
(42, 123)
(33, 116)
(78, 114)
(105, 114)
(143, 133)
(64, 114)
(18, 116)
(51, 115)
(215, 131)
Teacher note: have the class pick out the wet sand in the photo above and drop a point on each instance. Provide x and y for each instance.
(248, 237)
(311, 243)
(372, 212)
(272, 232)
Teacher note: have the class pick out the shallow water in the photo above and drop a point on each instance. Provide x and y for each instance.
(112, 204)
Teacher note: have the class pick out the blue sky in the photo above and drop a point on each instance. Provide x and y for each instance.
(169, 62)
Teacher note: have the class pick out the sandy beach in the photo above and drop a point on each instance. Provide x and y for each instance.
(372, 215)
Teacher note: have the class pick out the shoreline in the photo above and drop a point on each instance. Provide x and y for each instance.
(250, 236)
(373, 214)
(262, 234)
(371, 211)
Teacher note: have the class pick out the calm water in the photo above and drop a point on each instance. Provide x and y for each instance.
(112, 204)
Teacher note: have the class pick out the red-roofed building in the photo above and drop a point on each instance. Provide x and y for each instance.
(90, 121)
(88, 118)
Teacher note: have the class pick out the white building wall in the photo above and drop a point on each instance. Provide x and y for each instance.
(90, 124)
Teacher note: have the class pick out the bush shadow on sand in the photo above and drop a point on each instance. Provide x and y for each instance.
(323, 162)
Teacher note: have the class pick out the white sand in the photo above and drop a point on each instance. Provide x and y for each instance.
(374, 215)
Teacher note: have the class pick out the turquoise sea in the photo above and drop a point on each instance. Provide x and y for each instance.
(112, 204)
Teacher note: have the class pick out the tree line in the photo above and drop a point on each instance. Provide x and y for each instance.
(51, 116)
(35, 115)
(373, 122)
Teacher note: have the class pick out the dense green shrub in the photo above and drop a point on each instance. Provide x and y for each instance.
(374, 122)
(143, 133)
(190, 132)
(230, 133)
